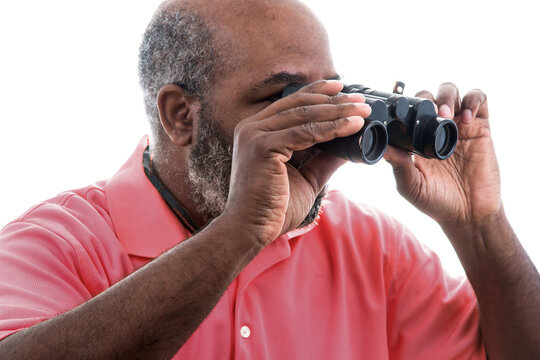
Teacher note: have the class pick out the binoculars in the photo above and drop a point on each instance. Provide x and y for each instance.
(409, 123)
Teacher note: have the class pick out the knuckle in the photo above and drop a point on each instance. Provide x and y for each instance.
(310, 127)
(259, 145)
(310, 132)
(336, 99)
(332, 128)
(334, 125)
(341, 123)
(302, 111)
(342, 110)
(240, 131)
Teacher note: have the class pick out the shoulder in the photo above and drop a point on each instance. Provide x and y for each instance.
(68, 235)
(74, 227)
(70, 211)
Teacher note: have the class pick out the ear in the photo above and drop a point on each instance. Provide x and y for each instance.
(176, 111)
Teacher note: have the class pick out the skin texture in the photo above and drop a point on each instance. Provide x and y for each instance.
(237, 93)
(273, 197)
(463, 195)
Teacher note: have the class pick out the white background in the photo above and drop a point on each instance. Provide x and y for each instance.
(71, 111)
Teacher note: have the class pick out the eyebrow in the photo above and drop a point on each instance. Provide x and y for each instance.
(285, 77)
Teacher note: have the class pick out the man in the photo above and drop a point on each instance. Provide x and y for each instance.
(204, 244)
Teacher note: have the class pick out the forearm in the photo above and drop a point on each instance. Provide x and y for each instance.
(507, 286)
(149, 314)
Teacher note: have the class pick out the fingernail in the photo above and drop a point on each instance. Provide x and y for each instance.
(444, 111)
(466, 116)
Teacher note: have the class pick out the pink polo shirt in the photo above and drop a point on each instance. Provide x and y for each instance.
(355, 286)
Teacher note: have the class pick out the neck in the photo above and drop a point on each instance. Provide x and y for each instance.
(172, 170)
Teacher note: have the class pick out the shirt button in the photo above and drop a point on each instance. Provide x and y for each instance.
(245, 332)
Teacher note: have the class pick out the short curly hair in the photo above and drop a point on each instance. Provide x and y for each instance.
(177, 48)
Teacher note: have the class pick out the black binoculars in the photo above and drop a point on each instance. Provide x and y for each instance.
(409, 123)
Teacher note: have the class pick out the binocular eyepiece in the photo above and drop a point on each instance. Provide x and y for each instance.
(408, 123)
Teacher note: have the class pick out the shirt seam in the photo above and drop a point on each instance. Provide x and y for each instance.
(31, 210)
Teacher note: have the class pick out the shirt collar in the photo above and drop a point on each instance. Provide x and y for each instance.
(144, 223)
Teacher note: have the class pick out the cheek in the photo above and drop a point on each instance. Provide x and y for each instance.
(228, 125)
(230, 119)
(229, 111)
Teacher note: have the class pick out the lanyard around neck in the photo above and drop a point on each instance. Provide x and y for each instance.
(181, 213)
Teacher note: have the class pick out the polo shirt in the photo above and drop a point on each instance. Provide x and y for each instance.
(354, 285)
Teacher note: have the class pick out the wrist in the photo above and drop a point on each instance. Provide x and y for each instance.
(238, 231)
(480, 228)
(482, 245)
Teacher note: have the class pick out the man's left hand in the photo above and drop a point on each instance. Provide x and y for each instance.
(465, 188)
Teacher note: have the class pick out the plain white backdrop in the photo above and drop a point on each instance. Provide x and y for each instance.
(71, 111)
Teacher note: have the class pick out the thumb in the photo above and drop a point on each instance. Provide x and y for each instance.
(404, 169)
(320, 168)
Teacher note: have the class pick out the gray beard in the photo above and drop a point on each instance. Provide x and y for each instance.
(209, 169)
(209, 166)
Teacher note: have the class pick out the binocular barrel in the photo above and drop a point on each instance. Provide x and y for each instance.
(408, 123)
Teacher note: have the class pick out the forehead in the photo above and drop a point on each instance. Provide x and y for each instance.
(261, 38)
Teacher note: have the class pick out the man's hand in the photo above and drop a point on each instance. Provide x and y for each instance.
(466, 187)
(463, 194)
(267, 194)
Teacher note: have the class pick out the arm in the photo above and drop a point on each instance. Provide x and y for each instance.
(463, 195)
(151, 313)
(506, 283)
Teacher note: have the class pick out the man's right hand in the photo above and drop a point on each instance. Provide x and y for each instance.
(267, 195)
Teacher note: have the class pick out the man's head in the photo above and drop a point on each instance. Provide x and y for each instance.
(206, 65)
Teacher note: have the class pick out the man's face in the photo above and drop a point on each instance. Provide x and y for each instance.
(209, 168)
(264, 53)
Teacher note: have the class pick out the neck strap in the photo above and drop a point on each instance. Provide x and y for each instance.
(181, 213)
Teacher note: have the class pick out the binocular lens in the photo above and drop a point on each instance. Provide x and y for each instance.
(441, 139)
(443, 143)
(367, 142)
(374, 141)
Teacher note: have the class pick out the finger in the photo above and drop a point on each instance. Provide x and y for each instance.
(305, 136)
(448, 100)
(320, 168)
(474, 105)
(316, 113)
(403, 166)
(299, 99)
(427, 95)
(326, 87)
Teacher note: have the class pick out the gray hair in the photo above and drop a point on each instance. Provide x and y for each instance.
(177, 48)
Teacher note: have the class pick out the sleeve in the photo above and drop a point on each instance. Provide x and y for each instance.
(430, 314)
(54, 258)
(38, 278)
